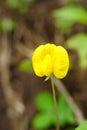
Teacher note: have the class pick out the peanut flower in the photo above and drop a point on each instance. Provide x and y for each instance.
(50, 59)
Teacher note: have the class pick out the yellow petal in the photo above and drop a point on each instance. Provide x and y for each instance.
(37, 60)
(49, 49)
(42, 59)
(61, 63)
(47, 65)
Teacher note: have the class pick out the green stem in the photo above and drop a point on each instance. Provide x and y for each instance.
(55, 103)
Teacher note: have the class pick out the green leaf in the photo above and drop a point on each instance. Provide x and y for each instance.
(25, 66)
(79, 43)
(20, 5)
(66, 115)
(7, 25)
(42, 121)
(64, 25)
(72, 14)
(67, 16)
(46, 117)
(13, 3)
(44, 102)
(83, 126)
(70, 128)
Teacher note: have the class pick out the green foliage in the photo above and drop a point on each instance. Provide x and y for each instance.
(46, 117)
(65, 112)
(79, 43)
(25, 66)
(44, 100)
(7, 25)
(20, 5)
(83, 126)
(67, 16)
(43, 120)
(70, 129)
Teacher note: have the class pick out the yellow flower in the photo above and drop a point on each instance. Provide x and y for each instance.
(50, 59)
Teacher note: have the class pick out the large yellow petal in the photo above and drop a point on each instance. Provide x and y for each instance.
(37, 58)
(61, 63)
(42, 59)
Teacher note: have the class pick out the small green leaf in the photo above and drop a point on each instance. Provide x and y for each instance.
(7, 25)
(25, 66)
(42, 121)
(79, 43)
(67, 16)
(20, 5)
(13, 3)
(64, 25)
(72, 14)
(66, 115)
(44, 102)
(83, 126)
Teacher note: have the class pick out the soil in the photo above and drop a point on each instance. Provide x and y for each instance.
(34, 28)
